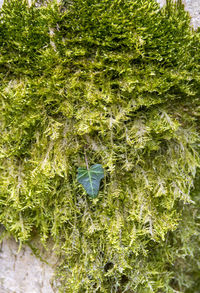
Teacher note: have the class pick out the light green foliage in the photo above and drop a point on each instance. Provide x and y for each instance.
(90, 178)
(122, 79)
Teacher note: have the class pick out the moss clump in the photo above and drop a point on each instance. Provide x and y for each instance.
(118, 80)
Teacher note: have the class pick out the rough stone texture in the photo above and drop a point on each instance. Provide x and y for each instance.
(193, 6)
(23, 272)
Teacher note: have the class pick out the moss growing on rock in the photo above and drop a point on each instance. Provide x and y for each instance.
(119, 81)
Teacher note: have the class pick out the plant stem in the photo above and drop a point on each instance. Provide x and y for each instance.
(86, 160)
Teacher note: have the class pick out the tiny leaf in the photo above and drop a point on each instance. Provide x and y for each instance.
(90, 179)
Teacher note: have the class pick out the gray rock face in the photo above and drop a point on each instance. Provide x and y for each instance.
(193, 7)
(23, 272)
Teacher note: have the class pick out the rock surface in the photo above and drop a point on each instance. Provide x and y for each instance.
(193, 7)
(23, 272)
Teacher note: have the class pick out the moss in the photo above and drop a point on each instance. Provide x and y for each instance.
(120, 81)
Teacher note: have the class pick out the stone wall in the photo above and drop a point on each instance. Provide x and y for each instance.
(23, 272)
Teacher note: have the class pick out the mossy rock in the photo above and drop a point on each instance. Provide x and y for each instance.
(119, 81)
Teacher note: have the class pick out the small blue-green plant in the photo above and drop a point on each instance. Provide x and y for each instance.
(90, 178)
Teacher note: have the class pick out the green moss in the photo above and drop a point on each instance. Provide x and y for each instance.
(119, 80)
